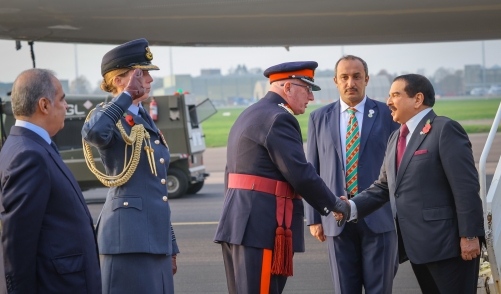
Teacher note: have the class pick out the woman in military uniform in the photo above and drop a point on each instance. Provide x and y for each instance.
(137, 245)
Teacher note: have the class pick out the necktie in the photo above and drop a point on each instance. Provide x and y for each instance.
(352, 147)
(55, 148)
(146, 117)
(401, 144)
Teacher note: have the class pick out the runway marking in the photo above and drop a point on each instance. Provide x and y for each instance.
(194, 223)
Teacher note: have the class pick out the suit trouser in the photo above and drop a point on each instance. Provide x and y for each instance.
(364, 259)
(448, 276)
(244, 271)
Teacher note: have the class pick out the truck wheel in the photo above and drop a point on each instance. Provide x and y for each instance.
(193, 189)
(177, 183)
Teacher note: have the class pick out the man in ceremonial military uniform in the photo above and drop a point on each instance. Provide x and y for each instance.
(267, 175)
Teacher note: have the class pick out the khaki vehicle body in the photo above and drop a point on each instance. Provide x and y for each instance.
(179, 119)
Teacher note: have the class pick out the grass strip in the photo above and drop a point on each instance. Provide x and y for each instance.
(217, 128)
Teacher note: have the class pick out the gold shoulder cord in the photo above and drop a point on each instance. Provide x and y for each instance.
(138, 134)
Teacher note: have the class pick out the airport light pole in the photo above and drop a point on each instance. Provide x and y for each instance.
(483, 64)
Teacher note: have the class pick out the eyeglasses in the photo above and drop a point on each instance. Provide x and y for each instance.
(310, 89)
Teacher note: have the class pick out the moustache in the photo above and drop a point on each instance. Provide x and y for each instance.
(350, 89)
(392, 108)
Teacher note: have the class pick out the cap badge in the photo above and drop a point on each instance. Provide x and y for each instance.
(149, 55)
(286, 107)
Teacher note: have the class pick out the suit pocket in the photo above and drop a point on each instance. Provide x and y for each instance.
(438, 213)
(421, 156)
(127, 202)
(69, 264)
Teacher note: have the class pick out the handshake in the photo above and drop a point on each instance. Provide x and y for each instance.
(342, 210)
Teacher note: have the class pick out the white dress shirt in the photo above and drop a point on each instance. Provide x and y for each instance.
(344, 120)
(413, 122)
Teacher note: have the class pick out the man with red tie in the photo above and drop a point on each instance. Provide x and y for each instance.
(429, 176)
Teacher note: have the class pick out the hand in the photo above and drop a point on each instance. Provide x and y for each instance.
(174, 265)
(470, 249)
(342, 210)
(135, 86)
(317, 231)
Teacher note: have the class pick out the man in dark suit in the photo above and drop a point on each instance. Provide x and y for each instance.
(429, 177)
(266, 175)
(48, 239)
(361, 254)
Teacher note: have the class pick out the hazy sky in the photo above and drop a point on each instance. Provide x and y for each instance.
(395, 58)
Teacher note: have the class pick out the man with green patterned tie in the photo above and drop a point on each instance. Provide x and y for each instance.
(346, 144)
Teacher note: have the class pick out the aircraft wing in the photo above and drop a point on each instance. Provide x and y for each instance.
(250, 22)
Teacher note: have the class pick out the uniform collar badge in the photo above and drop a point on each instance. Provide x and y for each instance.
(286, 107)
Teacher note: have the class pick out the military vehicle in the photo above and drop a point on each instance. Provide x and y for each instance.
(177, 116)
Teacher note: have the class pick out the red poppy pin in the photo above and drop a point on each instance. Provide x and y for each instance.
(129, 120)
(426, 128)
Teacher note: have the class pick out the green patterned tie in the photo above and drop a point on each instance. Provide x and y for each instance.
(352, 147)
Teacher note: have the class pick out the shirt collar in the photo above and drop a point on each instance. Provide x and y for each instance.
(135, 109)
(34, 128)
(359, 107)
(414, 121)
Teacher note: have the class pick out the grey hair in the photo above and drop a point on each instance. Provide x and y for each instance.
(29, 87)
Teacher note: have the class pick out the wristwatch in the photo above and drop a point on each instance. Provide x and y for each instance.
(471, 238)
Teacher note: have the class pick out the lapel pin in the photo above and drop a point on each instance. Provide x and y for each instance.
(426, 128)
(371, 112)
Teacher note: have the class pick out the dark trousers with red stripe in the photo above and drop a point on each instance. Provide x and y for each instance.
(244, 271)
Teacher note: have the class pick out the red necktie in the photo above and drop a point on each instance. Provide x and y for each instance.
(404, 131)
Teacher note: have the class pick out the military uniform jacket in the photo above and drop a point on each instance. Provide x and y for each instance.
(136, 216)
(266, 141)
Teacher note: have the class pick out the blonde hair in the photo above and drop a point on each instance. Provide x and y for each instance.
(108, 85)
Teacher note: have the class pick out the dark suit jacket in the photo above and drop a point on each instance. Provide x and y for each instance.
(434, 193)
(266, 141)
(325, 153)
(48, 238)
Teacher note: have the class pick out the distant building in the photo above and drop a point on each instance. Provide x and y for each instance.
(260, 89)
(226, 90)
(210, 72)
(473, 77)
(244, 86)
(378, 89)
